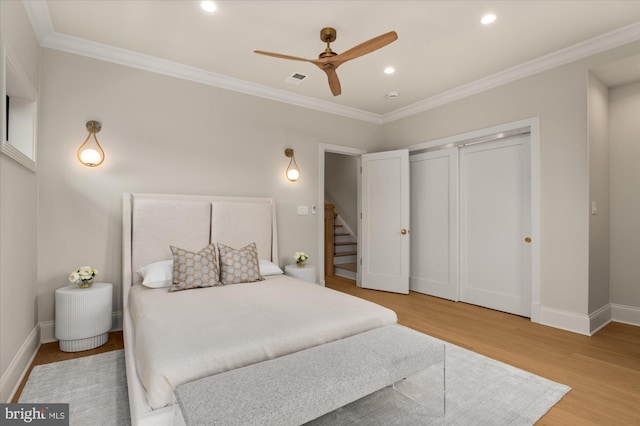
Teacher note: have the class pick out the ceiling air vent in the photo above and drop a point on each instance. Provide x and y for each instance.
(296, 78)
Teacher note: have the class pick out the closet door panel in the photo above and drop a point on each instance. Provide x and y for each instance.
(495, 225)
(434, 223)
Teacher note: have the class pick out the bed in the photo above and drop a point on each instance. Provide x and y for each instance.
(173, 338)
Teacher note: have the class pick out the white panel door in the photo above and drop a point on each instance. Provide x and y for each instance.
(434, 223)
(385, 221)
(495, 223)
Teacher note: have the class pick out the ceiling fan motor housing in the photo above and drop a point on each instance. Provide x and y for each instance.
(328, 35)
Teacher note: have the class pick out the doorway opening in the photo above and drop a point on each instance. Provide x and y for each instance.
(338, 227)
(341, 215)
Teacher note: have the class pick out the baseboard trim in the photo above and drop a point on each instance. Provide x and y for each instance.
(599, 319)
(535, 312)
(48, 328)
(19, 365)
(625, 314)
(48, 332)
(565, 320)
(590, 324)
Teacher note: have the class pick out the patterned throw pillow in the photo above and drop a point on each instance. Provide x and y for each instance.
(194, 270)
(239, 266)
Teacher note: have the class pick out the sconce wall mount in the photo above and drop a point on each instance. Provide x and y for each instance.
(293, 171)
(90, 152)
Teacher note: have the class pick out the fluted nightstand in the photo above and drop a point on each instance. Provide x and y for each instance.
(83, 316)
(305, 273)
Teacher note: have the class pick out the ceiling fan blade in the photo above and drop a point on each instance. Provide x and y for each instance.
(365, 47)
(281, 56)
(334, 82)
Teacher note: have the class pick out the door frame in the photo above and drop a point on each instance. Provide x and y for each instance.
(532, 126)
(335, 149)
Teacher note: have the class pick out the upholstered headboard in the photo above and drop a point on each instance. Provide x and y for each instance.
(153, 222)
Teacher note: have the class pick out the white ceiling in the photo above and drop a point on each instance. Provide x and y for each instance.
(442, 44)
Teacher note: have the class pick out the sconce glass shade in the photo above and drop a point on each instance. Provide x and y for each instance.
(90, 152)
(293, 175)
(293, 172)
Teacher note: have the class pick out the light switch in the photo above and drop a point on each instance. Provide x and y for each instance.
(594, 208)
(314, 210)
(303, 209)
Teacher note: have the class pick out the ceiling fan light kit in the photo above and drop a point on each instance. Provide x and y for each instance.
(328, 61)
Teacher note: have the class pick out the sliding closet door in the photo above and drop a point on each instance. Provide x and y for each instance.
(495, 225)
(434, 223)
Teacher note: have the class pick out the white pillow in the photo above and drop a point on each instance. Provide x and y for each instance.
(158, 274)
(268, 268)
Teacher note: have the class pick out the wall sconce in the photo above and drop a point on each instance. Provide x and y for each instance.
(91, 154)
(293, 172)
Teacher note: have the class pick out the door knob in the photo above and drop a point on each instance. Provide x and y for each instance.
(527, 240)
(404, 231)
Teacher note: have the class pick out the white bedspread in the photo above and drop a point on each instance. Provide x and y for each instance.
(188, 335)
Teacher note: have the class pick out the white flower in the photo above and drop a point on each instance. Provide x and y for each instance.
(83, 274)
(300, 256)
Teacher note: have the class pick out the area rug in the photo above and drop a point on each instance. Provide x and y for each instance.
(479, 391)
(95, 387)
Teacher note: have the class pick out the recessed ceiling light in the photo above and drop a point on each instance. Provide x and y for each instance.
(392, 95)
(488, 18)
(389, 70)
(208, 6)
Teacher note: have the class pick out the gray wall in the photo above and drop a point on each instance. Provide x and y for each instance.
(624, 138)
(18, 224)
(341, 186)
(166, 135)
(599, 193)
(559, 98)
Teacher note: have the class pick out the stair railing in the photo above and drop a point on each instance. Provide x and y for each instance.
(329, 222)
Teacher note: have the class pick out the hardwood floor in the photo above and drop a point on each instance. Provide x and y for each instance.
(603, 370)
(49, 352)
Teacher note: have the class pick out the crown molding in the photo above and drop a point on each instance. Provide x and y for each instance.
(41, 22)
(38, 13)
(610, 40)
(43, 27)
(132, 59)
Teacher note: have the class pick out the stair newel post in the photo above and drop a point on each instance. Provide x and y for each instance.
(329, 221)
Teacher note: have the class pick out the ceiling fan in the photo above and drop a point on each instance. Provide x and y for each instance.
(328, 61)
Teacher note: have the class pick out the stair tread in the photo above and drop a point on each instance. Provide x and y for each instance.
(337, 225)
(353, 267)
(345, 243)
(341, 234)
(345, 253)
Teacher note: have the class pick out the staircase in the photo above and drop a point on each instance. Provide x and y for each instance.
(341, 246)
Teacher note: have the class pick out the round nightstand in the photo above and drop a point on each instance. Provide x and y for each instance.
(305, 273)
(83, 316)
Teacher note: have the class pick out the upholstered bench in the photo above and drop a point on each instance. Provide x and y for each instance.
(305, 385)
